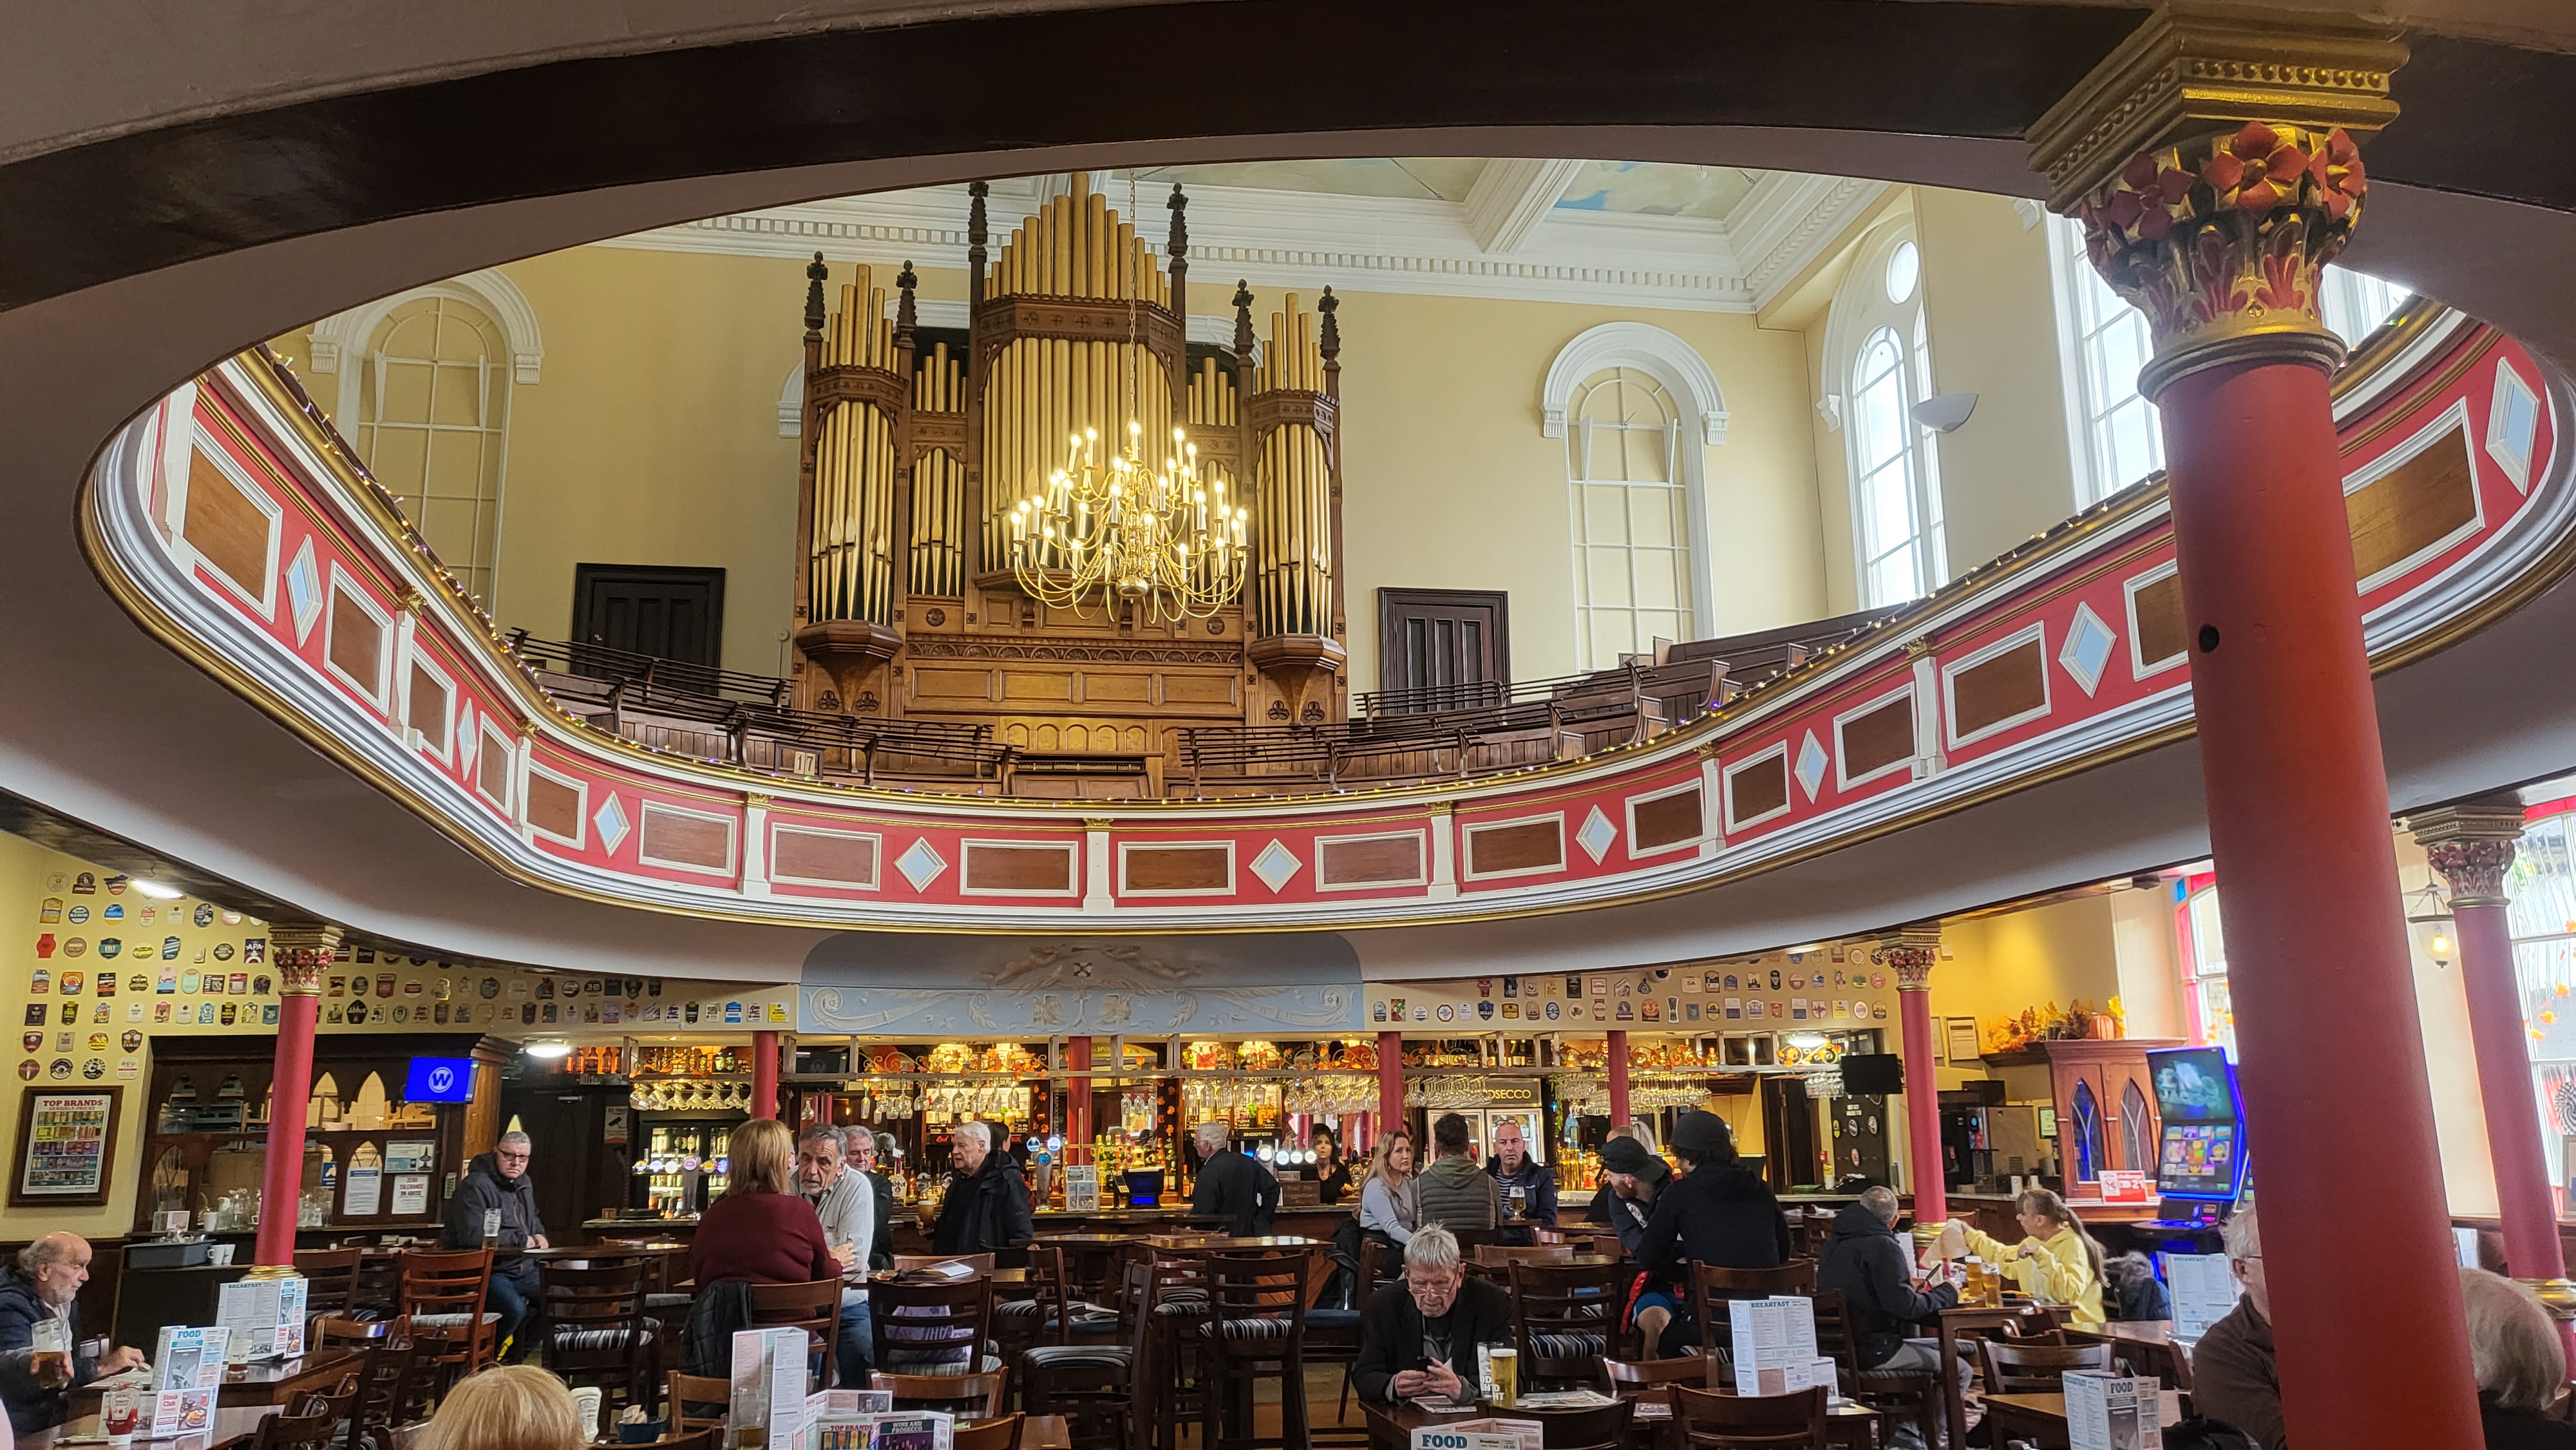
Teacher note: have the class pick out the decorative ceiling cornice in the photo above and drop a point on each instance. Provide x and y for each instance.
(1308, 240)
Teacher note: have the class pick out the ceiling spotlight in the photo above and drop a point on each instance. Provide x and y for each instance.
(157, 891)
(549, 1049)
(1805, 1041)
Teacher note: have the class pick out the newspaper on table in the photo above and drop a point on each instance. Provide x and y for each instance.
(265, 1317)
(1486, 1434)
(2203, 1288)
(189, 1358)
(768, 1381)
(884, 1429)
(2105, 1411)
(1775, 1346)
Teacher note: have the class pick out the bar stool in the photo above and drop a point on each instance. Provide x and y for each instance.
(1255, 1328)
(1172, 1299)
(1091, 1385)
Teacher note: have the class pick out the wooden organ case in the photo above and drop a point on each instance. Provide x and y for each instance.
(915, 456)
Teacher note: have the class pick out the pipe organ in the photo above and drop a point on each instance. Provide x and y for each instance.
(1075, 322)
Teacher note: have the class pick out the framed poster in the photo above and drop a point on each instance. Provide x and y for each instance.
(66, 1146)
(1963, 1043)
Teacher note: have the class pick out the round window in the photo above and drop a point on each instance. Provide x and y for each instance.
(1904, 269)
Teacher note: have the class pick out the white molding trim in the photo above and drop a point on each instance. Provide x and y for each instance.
(1511, 200)
(345, 334)
(1788, 220)
(1650, 350)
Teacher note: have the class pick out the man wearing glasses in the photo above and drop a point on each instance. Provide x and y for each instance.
(496, 1206)
(1419, 1338)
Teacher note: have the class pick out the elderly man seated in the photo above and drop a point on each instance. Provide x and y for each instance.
(40, 1292)
(1417, 1336)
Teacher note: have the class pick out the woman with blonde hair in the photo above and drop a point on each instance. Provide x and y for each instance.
(2057, 1261)
(761, 1231)
(2520, 1364)
(512, 1407)
(1386, 1200)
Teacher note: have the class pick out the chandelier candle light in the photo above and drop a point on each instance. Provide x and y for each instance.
(1131, 529)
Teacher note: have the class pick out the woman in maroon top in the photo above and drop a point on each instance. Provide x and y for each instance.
(761, 1231)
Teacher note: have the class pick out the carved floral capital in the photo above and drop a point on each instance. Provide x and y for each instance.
(1911, 963)
(2473, 868)
(299, 951)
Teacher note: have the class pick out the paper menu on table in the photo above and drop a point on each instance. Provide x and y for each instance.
(1479, 1435)
(769, 1372)
(183, 1412)
(1779, 1330)
(247, 1308)
(2203, 1289)
(189, 1358)
(2113, 1412)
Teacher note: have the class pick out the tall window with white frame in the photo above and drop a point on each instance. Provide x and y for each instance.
(432, 424)
(2114, 433)
(1895, 477)
(1630, 503)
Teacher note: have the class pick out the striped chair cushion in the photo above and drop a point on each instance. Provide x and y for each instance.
(1898, 1378)
(1569, 1346)
(942, 1361)
(1028, 1309)
(612, 1337)
(1080, 1356)
(1260, 1327)
(450, 1321)
(1181, 1309)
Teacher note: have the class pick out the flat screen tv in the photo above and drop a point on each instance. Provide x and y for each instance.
(2200, 1152)
(439, 1080)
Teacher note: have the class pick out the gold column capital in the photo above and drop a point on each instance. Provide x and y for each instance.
(2470, 845)
(2214, 159)
(300, 950)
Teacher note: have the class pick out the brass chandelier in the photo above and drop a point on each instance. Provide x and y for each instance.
(1131, 529)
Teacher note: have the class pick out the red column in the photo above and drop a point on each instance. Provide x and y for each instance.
(1616, 1065)
(2471, 846)
(1390, 1085)
(764, 1074)
(1077, 1101)
(1912, 956)
(299, 954)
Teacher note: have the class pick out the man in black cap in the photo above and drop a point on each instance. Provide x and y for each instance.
(1604, 1208)
(1716, 1213)
(1631, 1179)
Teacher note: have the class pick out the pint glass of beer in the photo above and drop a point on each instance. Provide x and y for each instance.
(51, 1360)
(1507, 1377)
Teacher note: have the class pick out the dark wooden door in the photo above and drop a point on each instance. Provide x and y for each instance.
(1443, 649)
(667, 613)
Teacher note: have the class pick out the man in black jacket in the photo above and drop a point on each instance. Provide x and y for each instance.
(1868, 1262)
(1232, 1185)
(497, 1204)
(1715, 1213)
(987, 1205)
(1419, 1337)
(865, 1152)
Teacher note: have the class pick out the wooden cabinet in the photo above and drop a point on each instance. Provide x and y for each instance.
(2103, 1098)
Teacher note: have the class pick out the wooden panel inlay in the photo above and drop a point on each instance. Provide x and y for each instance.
(686, 840)
(1878, 739)
(1524, 846)
(428, 710)
(357, 642)
(823, 856)
(1373, 861)
(1666, 820)
(1102, 689)
(1756, 790)
(492, 770)
(1198, 689)
(951, 685)
(553, 807)
(2012, 683)
(1037, 685)
(1177, 868)
(2155, 612)
(2402, 512)
(1020, 870)
(226, 529)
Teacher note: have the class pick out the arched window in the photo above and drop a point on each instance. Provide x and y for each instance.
(425, 387)
(1632, 554)
(1879, 334)
(2356, 303)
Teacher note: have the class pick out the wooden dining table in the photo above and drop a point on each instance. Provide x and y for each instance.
(2041, 1419)
(84, 1432)
(2147, 1344)
(1946, 1329)
(247, 1385)
(1390, 1427)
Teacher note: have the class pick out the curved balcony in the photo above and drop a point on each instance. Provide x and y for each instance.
(235, 526)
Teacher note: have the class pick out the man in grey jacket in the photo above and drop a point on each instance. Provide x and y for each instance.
(1453, 1192)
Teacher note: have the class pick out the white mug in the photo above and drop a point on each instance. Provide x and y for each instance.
(219, 1255)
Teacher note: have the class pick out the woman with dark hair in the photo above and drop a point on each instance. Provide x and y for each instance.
(1716, 1213)
(2056, 1262)
(1332, 1176)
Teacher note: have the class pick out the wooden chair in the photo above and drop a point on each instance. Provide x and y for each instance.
(1091, 1385)
(1712, 1287)
(443, 1295)
(379, 1290)
(388, 1376)
(967, 1396)
(1495, 1256)
(331, 1280)
(1637, 1378)
(1174, 1295)
(1709, 1421)
(1913, 1395)
(980, 1263)
(596, 1326)
(814, 1308)
(333, 1331)
(1566, 1319)
(1001, 1434)
(1044, 1317)
(2036, 1369)
(933, 1329)
(307, 1425)
(1255, 1329)
(703, 1390)
(703, 1439)
(1594, 1427)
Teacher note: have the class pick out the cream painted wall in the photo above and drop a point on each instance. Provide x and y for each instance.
(2450, 1059)
(1995, 966)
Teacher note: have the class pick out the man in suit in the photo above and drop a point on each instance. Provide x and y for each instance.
(1231, 1184)
(1419, 1337)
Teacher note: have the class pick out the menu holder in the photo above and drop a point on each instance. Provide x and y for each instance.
(2106, 1411)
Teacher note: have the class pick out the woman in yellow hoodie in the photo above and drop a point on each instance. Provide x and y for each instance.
(2059, 1263)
